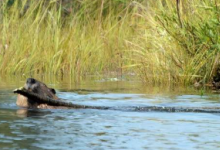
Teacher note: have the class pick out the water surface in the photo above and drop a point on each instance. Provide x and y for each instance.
(108, 129)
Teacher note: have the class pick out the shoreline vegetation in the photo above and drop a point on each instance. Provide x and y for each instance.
(160, 41)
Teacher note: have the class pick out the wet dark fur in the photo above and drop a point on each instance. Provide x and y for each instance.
(38, 88)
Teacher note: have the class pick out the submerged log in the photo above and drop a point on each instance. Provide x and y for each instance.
(53, 102)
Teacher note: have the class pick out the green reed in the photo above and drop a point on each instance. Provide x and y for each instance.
(152, 39)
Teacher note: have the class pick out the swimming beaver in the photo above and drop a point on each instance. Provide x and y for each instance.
(41, 89)
(38, 88)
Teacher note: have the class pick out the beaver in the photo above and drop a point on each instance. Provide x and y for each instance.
(41, 89)
(38, 88)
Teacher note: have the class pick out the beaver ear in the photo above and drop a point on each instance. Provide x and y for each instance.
(53, 91)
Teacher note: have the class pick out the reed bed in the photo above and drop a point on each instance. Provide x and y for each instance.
(160, 41)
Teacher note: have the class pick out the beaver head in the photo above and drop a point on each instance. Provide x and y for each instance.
(38, 88)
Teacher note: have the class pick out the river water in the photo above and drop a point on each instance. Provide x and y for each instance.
(83, 129)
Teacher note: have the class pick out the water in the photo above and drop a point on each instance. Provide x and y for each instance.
(108, 129)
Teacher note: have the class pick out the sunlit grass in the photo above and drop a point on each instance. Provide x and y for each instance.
(147, 38)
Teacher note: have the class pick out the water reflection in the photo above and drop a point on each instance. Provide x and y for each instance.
(107, 129)
(23, 112)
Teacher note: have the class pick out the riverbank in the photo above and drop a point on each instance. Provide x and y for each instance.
(160, 42)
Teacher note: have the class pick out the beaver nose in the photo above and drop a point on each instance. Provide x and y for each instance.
(27, 86)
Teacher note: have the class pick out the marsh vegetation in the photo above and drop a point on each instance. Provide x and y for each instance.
(160, 41)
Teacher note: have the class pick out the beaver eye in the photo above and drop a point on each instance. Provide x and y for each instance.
(31, 80)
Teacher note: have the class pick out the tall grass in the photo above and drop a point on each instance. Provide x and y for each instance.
(152, 39)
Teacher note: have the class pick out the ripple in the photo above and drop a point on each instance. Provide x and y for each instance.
(108, 129)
